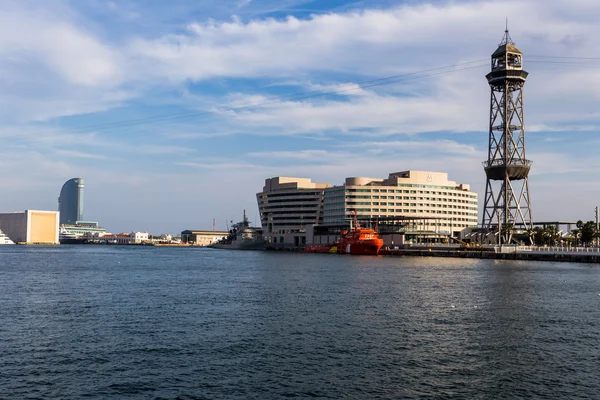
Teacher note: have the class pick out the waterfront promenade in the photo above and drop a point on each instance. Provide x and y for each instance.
(533, 253)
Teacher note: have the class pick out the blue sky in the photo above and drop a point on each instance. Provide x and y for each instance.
(142, 99)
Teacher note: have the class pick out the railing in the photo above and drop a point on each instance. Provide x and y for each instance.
(501, 162)
(557, 249)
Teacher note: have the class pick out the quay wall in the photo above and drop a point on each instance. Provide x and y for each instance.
(578, 255)
(582, 257)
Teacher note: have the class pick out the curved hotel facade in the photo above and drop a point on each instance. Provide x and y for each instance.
(287, 206)
(293, 209)
(70, 202)
(428, 197)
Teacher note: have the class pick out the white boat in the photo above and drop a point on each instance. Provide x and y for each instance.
(66, 237)
(5, 239)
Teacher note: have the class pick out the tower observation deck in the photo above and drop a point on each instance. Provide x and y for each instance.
(507, 202)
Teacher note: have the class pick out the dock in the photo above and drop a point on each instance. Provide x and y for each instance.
(525, 253)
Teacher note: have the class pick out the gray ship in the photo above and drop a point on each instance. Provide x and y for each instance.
(242, 236)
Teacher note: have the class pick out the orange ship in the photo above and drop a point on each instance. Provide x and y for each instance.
(359, 241)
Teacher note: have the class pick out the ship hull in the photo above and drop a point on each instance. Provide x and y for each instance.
(240, 245)
(363, 247)
(73, 241)
(320, 249)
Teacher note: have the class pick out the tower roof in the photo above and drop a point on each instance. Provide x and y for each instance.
(506, 45)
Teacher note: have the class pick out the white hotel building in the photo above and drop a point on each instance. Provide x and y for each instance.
(287, 206)
(434, 204)
(438, 204)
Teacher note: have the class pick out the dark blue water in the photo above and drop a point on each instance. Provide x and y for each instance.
(164, 323)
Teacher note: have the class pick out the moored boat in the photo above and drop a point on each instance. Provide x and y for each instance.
(360, 240)
(66, 237)
(5, 239)
(242, 236)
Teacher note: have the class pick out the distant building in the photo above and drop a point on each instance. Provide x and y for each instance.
(31, 226)
(443, 205)
(287, 205)
(83, 229)
(202, 238)
(296, 211)
(70, 202)
(126, 238)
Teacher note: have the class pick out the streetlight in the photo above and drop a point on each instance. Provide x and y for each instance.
(597, 239)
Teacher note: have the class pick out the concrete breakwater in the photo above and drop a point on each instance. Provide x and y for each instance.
(543, 255)
(564, 254)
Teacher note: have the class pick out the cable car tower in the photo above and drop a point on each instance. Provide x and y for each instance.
(507, 189)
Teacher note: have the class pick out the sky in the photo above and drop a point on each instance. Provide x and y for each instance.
(176, 112)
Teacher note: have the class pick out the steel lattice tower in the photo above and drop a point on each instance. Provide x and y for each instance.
(507, 189)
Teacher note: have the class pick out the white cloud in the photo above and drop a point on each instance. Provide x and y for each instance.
(50, 39)
(429, 146)
(409, 36)
(299, 155)
(53, 65)
(79, 154)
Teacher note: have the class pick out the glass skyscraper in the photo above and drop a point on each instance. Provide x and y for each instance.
(70, 202)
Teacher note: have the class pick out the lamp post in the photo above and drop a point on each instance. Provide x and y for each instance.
(597, 239)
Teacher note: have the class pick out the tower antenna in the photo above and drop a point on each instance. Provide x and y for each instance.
(506, 39)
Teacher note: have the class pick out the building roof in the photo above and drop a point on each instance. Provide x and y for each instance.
(203, 232)
(506, 48)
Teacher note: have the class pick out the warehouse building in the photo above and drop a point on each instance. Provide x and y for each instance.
(31, 226)
(202, 237)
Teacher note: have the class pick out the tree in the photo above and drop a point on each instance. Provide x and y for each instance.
(506, 232)
(538, 236)
(547, 235)
(529, 233)
(588, 231)
(551, 235)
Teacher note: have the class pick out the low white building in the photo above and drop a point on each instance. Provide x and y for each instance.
(201, 237)
(126, 238)
(139, 237)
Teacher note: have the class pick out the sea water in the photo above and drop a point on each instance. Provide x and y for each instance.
(119, 322)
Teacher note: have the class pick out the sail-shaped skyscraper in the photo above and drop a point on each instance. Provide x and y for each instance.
(70, 202)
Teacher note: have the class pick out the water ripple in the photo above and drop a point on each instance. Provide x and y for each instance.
(141, 323)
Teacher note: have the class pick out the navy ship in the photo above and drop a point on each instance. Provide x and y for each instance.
(242, 236)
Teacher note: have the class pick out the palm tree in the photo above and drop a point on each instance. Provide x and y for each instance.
(551, 234)
(506, 232)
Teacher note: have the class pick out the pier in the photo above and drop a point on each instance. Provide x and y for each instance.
(526, 253)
